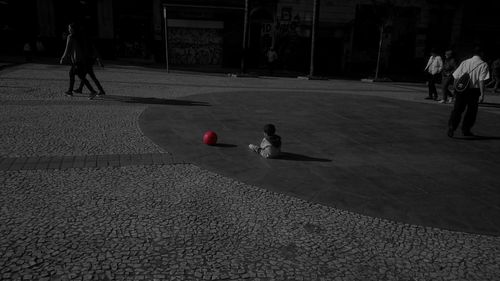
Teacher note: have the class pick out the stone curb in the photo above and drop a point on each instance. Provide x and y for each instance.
(84, 161)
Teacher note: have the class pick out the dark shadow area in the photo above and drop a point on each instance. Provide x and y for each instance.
(154, 101)
(477, 137)
(489, 104)
(300, 157)
(227, 145)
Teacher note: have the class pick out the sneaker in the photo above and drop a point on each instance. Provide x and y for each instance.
(441, 101)
(68, 93)
(450, 100)
(450, 132)
(78, 91)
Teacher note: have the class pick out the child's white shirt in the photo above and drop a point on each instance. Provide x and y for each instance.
(267, 150)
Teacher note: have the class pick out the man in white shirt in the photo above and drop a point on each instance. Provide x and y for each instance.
(433, 69)
(470, 98)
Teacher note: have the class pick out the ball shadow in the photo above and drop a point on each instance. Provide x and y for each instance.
(227, 145)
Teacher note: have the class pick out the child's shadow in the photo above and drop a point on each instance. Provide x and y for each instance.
(299, 157)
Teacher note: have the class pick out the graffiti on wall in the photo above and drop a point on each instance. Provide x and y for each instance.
(195, 46)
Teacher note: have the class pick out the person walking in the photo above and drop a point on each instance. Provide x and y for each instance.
(91, 57)
(272, 58)
(28, 56)
(74, 52)
(433, 69)
(450, 64)
(478, 71)
(495, 71)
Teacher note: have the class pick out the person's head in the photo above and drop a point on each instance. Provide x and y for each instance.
(75, 28)
(72, 28)
(478, 51)
(269, 129)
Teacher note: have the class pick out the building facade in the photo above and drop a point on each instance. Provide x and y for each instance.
(210, 32)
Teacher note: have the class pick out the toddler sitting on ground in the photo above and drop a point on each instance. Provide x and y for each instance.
(270, 147)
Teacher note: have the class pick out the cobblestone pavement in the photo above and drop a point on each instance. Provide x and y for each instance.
(177, 221)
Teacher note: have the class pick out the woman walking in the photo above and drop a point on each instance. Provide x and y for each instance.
(74, 51)
(91, 57)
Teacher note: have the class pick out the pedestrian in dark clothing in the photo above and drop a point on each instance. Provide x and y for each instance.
(74, 52)
(470, 98)
(272, 58)
(91, 57)
(495, 75)
(433, 69)
(28, 52)
(449, 66)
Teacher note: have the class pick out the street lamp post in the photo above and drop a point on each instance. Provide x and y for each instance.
(166, 36)
(315, 21)
(245, 39)
(379, 51)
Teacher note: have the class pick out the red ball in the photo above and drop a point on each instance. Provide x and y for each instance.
(210, 138)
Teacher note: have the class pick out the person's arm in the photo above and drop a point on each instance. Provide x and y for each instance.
(66, 50)
(481, 89)
(428, 64)
(484, 74)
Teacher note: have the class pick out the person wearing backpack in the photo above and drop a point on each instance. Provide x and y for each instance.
(470, 77)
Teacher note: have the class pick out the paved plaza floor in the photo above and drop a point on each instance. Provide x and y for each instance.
(372, 155)
(121, 188)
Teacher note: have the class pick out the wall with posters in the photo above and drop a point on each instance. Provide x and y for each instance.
(195, 42)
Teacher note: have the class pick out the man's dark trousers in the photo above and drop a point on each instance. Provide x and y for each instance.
(432, 79)
(469, 99)
(446, 82)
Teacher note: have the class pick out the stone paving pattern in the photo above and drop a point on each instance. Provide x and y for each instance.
(179, 221)
(39, 130)
(84, 161)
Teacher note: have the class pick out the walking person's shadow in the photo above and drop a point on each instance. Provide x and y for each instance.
(489, 104)
(149, 100)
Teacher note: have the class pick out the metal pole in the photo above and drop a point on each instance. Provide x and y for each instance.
(166, 36)
(379, 51)
(245, 35)
(313, 35)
